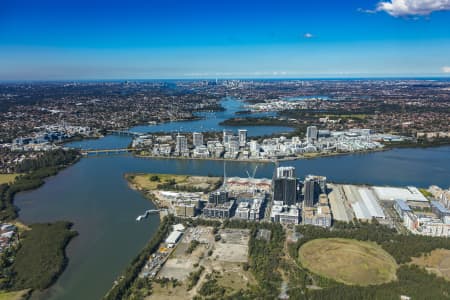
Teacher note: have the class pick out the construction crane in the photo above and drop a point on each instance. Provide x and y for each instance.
(251, 178)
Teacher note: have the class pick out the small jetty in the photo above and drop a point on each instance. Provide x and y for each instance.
(147, 212)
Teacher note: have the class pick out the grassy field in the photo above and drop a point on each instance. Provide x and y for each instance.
(152, 181)
(348, 261)
(7, 178)
(437, 261)
(426, 193)
(14, 295)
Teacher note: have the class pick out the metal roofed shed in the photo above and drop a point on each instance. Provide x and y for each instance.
(440, 210)
(440, 207)
(367, 207)
(173, 238)
(402, 205)
(391, 193)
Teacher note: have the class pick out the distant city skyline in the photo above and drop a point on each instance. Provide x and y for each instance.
(87, 40)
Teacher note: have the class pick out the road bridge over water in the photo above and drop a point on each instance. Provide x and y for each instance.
(125, 133)
(106, 151)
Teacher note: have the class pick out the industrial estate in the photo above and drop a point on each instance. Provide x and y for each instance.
(287, 200)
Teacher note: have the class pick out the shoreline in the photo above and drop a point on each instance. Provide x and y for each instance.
(63, 248)
(418, 145)
(387, 147)
(204, 159)
(135, 187)
(36, 182)
(149, 197)
(80, 139)
(195, 118)
(266, 161)
(325, 155)
(70, 234)
(52, 171)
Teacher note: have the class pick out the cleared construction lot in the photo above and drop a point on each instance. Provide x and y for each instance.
(233, 246)
(181, 263)
(437, 261)
(225, 257)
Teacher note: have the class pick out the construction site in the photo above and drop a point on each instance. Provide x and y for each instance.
(197, 255)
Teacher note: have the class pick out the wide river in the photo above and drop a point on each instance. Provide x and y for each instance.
(94, 195)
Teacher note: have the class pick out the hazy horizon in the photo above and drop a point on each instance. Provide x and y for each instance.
(88, 40)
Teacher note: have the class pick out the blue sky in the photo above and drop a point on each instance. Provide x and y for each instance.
(73, 39)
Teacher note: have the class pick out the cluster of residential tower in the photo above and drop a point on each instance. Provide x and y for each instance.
(233, 146)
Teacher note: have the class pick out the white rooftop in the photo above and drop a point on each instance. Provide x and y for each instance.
(367, 207)
(391, 193)
(173, 237)
(178, 227)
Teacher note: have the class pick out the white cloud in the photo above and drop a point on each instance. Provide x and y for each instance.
(446, 69)
(398, 8)
(308, 35)
(366, 11)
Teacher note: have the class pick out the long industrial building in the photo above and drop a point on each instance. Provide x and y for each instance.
(367, 206)
(173, 238)
(409, 193)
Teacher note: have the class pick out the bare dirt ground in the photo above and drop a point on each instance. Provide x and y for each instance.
(437, 261)
(226, 257)
(233, 246)
(181, 263)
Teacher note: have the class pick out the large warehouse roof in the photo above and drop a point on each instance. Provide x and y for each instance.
(367, 207)
(391, 193)
(173, 237)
